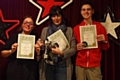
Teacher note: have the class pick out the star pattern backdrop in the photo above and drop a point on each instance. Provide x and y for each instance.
(13, 11)
(113, 29)
(5, 27)
(111, 25)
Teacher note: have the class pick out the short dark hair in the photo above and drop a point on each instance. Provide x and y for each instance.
(89, 3)
(56, 10)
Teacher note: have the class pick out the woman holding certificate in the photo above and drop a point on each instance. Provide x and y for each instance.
(22, 64)
(60, 45)
(91, 38)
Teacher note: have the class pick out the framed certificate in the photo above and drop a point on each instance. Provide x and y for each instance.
(59, 38)
(88, 36)
(25, 47)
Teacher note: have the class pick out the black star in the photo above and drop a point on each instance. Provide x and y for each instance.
(5, 27)
(112, 26)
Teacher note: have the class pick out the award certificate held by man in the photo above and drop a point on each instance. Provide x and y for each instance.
(25, 48)
(88, 36)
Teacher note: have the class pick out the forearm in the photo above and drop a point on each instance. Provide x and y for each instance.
(38, 57)
(6, 53)
(38, 54)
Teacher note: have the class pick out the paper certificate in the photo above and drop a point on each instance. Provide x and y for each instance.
(59, 38)
(25, 48)
(88, 36)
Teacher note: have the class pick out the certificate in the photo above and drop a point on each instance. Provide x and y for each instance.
(25, 47)
(88, 36)
(59, 38)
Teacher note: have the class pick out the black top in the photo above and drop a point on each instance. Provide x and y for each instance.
(19, 69)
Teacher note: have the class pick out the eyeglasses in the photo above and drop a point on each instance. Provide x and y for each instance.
(30, 23)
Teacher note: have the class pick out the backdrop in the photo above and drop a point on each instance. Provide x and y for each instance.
(12, 12)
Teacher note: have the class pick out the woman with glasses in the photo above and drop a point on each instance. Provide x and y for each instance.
(17, 68)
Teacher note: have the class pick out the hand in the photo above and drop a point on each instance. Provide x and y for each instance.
(56, 50)
(101, 37)
(14, 47)
(80, 46)
(40, 42)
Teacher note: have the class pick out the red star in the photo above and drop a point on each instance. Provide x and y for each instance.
(17, 22)
(48, 4)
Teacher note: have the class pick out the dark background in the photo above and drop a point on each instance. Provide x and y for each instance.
(110, 64)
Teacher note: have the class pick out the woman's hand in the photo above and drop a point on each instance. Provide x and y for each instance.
(14, 47)
(40, 42)
(56, 50)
